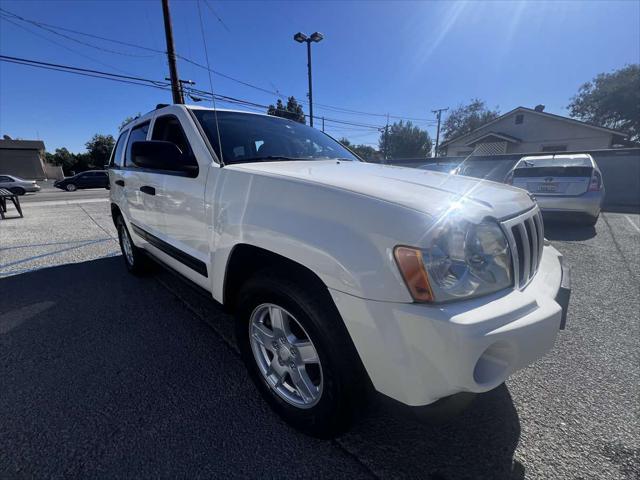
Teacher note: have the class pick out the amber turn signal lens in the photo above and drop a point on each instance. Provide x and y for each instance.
(415, 276)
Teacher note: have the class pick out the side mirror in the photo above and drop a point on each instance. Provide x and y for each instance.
(160, 155)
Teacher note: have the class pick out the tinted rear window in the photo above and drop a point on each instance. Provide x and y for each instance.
(553, 172)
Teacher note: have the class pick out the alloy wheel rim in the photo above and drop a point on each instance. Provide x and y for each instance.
(285, 355)
(126, 245)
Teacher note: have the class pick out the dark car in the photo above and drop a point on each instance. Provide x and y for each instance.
(88, 179)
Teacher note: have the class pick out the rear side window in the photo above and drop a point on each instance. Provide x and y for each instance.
(116, 159)
(5, 179)
(138, 134)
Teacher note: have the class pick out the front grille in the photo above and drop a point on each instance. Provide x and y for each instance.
(525, 234)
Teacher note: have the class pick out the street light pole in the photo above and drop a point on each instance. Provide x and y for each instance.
(302, 38)
(310, 86)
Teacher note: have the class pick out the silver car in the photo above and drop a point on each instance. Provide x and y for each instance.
(18, 185)
(564, 185)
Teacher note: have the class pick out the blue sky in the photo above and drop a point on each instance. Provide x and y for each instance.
(405, 59)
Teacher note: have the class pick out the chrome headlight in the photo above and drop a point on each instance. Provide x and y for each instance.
(461, 259)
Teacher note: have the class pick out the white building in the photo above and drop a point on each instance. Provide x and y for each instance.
(524, 130)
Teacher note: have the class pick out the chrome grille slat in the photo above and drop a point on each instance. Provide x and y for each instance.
(525, 236)
(534, 241)
(526, 253)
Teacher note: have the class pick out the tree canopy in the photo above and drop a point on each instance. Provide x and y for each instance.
(293, 110)
(405, 140)
(466, 118)
(365, 152)
(611, 100)
(96, 157)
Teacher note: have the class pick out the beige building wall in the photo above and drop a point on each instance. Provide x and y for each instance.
(538, 131)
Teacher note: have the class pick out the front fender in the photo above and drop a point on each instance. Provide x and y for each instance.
(345, 238)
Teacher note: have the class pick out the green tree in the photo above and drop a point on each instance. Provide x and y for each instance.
(63, 158)
(466, 118)
(405, 140)
(365, 152)
(293, 110)
(611, 100)
(98, 150)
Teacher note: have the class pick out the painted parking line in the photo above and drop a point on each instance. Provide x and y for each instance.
(49, 203)
(633, 224)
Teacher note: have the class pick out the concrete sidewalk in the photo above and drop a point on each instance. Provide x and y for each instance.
(56, 233)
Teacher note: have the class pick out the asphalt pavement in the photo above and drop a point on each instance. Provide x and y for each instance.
(103, 374)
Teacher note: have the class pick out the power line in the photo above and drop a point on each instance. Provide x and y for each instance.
(153, 83)
(52, 28)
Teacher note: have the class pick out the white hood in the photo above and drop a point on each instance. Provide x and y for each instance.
(426, 191)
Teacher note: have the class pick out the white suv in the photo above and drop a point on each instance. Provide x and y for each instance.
(343, 275)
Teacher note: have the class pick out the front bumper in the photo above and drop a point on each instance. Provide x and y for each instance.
(418, 353)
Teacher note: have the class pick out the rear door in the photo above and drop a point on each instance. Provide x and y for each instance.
(140, 187)
(553, 180)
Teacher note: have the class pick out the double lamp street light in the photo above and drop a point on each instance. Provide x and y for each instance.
(302, 38)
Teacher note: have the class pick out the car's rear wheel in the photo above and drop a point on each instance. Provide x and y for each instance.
(70, 187)
(299, 355)
(134, 258)
(17, 190)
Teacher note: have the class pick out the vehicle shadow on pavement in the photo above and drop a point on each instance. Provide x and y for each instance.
(567, 231)
(106, 374)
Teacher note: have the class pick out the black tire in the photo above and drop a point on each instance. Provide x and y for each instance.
(591, 221)
(17, 190)
(137, 263)
(70, 187)
(344, 381)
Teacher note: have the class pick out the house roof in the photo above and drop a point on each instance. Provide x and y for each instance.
(502, 136)
(535, 112)
(22, 144)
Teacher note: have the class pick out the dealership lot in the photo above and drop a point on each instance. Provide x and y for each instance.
(105, 374)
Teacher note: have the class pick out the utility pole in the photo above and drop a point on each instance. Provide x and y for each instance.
(438, 112)
(386, 140)
(171, 54)
(323, 124)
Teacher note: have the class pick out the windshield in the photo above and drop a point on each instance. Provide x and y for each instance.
(246, 137)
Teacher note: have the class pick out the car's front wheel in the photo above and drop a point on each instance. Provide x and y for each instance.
(134, 258)
(17, 190)
(70, 187)
(299, 355)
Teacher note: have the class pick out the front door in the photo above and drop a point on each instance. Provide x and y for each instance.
(182, 202)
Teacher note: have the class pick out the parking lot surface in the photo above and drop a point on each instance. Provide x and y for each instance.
(103, 374)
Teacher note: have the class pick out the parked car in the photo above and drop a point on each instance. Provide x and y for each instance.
(439, 167)
(564, 185)
(486, 167)
(345, 277)
(18, 185)
(88, 179)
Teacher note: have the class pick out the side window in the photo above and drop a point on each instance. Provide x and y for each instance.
(138, 134)
(116, 159)
(4, 179)
(168, 128)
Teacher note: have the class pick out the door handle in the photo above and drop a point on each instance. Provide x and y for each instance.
(148, 190)
(120, 182)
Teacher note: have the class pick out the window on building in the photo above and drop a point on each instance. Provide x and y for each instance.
(554, 148)
(519, 119)
(138, 134)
